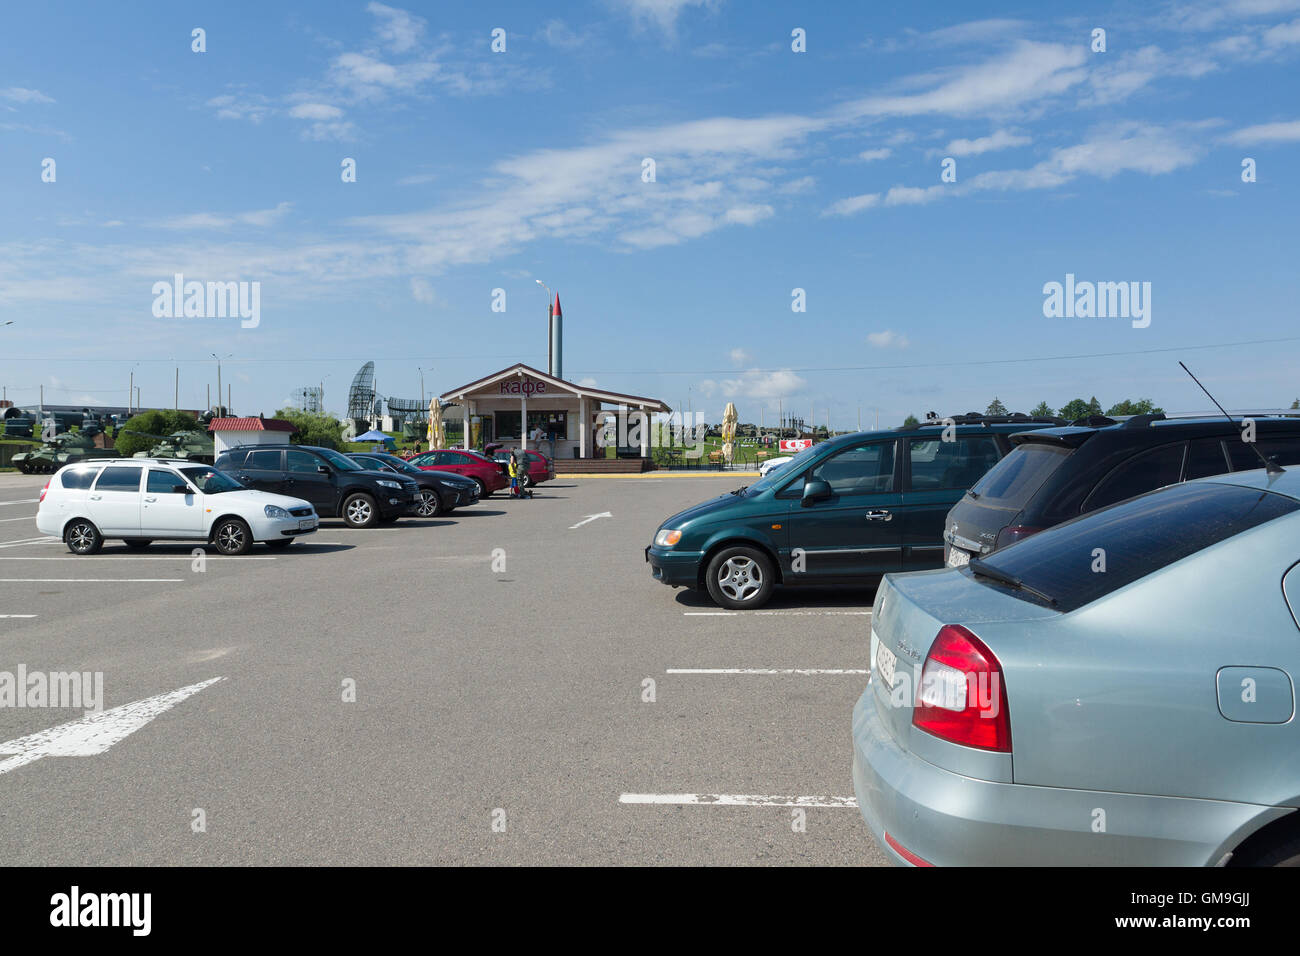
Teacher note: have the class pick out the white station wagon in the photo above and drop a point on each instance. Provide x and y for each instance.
(142, 500)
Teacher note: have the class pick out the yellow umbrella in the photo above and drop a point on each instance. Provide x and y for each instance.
(729, 421)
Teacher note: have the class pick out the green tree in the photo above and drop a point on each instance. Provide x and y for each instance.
(1042, 410)
(1143, 406)
(911, 421)
(1296, 403)
(1076, 408)
(313, 429)
(996, 407)
(157, 422)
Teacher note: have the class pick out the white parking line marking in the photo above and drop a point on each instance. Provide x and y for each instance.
(17, 615)
(735, 800)
(90, 580)
(19, 501)
(146, 557)
(94, 733)
(767, 670)
(711, 613)
(25, 518)
(23, 541)
(778, 613)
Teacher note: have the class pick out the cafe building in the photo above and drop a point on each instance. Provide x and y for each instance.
(524, 407)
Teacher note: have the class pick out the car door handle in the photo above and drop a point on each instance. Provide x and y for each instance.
(244, 478)
(150, 499)
(879, 515)
(96, 497)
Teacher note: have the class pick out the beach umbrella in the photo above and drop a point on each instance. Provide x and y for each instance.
(729, 422)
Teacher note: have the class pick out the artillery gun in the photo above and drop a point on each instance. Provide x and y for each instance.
(58, 451)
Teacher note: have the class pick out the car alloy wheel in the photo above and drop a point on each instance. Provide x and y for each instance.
(232, 536)
(359, 511)
(430, 505)
(740, 578)
(482, 488)
(82, 537)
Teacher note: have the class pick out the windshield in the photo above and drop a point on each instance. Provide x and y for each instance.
(341, 462)
(1016, 478)
(781, 472)
(210, 481)
(1133, 538)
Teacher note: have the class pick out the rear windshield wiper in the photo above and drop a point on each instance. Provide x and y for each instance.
(977, 566)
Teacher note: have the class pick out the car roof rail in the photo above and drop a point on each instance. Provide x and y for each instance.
(1142, 421)
(1094, 421)
(976, 418)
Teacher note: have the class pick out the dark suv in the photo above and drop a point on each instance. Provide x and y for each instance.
(1055, 474)
(441, 492)
(843, 512)
(335, 484)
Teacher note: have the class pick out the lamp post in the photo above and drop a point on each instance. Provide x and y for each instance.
(550, 331)
(219, 358)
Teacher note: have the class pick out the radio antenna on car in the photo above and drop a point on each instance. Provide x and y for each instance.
(1270, 464)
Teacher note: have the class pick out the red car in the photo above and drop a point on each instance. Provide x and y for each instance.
(540, 468)
(468, 463)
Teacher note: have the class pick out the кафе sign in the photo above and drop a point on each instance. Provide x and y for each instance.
(522, 386)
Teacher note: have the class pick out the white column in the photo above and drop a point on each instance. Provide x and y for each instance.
(645, 433)
(523, 422)
(465, 405)
(584, 427)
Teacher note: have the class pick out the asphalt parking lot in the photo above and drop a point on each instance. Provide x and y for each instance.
(483, 696)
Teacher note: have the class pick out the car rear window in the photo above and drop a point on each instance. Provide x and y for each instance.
(1133, 539)
(119, 479)
(78, 478)
(1285, 450)
(1016, 478)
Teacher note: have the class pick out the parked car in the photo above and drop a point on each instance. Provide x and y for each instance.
(540, 468)
(142, 500)
(1054, 474)
(335, 484)
(441, 492)
(772, 463)
(1118, 689)
(471, 464)
(843, 512)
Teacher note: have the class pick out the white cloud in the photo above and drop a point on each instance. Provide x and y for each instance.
(1286, 132)
(19, 94)
(757, 385)
(740, 356)
(204, 220)
(853, 204)
(1001, 139)
(870, 155)
(558, 34)
(1284, 34)
(254, 108)
(422, 290)
(396, 29)
(888, 339)
(660, 13)
(315, 111)
(587, 382)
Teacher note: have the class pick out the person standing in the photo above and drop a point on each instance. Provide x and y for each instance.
(514, 474)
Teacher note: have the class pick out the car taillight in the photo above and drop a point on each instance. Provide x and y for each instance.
(45, 489)
(1013, 533)
(962, 697)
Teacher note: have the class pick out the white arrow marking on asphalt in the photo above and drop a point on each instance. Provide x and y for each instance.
(735, 800)
(590, 518)
(94, 733)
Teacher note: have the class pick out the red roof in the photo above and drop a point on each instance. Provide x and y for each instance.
(251, 425)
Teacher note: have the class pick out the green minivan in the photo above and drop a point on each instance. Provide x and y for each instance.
(841, 513)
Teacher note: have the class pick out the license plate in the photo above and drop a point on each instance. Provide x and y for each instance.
(885, 661)
(957, 557)
(306, 524)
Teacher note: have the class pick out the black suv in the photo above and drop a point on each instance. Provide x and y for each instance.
(1054, 474)
(335, 484)
(441, 492)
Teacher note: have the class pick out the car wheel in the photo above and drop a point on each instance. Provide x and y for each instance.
(280, 543)
(1280, 850)
(231, 536)
(359, 511)
(482, 489)
(740, 578)
(137, 542)
(429, 504)
(82, 537)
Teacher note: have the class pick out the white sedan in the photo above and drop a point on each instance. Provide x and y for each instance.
(141, 500)
(771, 463)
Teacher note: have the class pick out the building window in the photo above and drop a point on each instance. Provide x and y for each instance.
(507, 425)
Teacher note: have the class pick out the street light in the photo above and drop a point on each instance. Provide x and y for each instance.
(219, 358)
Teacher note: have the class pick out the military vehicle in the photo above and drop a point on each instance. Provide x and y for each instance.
(19, 426)
(60, 450)
(190, 444)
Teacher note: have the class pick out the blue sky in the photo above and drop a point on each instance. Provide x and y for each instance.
(775, 170)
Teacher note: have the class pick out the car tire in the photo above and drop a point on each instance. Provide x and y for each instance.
(232, 537)
(1281, 851)
(740, 578)
(280, 543)
(82, 537)
(429, 505)
(137, 542)
(482, 489)
(359, 511)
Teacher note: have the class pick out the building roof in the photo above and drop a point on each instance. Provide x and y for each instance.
(251, 425)
(519, 369)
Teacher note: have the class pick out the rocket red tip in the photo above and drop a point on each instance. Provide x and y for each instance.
(556, 309)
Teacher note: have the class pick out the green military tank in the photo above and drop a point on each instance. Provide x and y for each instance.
(189, 444)
(59, 451)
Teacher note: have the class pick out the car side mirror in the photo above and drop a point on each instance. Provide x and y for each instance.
(181, 490)
(323, 469)
(815, 490)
